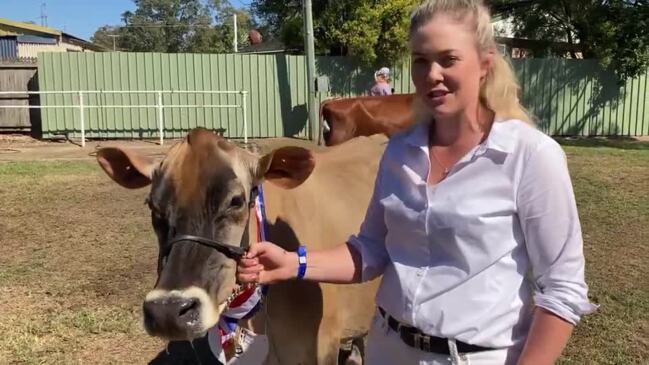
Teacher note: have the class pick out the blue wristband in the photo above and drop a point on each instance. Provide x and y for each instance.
(301, 258)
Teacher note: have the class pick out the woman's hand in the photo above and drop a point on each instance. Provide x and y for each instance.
(267, 263)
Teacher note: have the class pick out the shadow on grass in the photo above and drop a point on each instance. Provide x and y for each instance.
(623, 143)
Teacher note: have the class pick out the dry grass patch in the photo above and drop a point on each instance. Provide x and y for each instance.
(79, 255)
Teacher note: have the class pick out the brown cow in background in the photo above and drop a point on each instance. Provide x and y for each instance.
(346, 118)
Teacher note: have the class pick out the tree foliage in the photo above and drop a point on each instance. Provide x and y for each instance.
(197, 26)
(371, 30)
(167, 26)
(104, 36)
(375, 31)
(223, 13)
(614, 31)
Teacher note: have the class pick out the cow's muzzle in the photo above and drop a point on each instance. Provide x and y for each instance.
(179, 315)
(172, 317)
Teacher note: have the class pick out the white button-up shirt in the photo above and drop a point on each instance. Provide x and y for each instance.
(469, 257)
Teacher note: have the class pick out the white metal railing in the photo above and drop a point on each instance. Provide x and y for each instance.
(159, 104)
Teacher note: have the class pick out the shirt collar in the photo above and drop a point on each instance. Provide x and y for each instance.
(498, 139)
(417, 136)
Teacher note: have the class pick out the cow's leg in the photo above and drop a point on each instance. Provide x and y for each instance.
(328, 351)
(289, 349)
(294, 311)
(356, 353)
(331, 327)
(329, 340)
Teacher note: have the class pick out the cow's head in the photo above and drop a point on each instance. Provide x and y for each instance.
(201, 188)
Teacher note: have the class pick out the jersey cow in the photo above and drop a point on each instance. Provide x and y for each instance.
(346, 118)
(201, 190)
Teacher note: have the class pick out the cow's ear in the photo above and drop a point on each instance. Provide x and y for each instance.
(127, 168)
(287, 167)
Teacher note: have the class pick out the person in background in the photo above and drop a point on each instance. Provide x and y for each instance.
(382, 83)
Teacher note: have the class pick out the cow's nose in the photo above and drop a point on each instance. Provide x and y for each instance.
(171, 317)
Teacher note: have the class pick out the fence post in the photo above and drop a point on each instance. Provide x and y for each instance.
(160, 118)
(82, 120)
(245, 116)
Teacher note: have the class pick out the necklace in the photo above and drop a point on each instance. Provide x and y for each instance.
(446, 169)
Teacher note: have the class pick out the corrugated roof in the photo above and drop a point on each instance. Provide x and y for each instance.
(8, 49)
(67, 37)
(28, 38)
(25, 26)
(12, 28)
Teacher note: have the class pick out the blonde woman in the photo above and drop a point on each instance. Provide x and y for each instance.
(473, 222)
(382, 83)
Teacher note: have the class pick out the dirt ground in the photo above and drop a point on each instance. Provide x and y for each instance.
(20, 147)
(17, 147)
(79, 253)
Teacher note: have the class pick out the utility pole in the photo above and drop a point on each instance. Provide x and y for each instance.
(114, 36)
(310, 70)
(43, 14)
(235, 42)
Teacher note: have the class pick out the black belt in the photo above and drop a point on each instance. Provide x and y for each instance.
(413, 337)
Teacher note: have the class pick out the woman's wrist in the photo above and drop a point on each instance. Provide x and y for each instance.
(292, 265)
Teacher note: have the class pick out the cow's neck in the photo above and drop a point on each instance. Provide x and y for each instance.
(329, 205)
(284, 210)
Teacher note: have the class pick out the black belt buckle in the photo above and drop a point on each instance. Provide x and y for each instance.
(422, 342)
(416, 340)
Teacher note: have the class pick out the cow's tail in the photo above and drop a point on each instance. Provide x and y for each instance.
(325, 128)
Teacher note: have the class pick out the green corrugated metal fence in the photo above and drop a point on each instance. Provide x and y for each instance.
(275, 106)
(574, 97)
(569, 97)
(579, 98)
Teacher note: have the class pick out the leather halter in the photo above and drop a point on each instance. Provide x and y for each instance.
(233, 252)
(230, 251)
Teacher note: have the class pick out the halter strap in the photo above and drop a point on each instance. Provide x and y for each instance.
(231, 251)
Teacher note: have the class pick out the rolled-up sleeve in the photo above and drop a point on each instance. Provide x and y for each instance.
(548, 215)
(370, 240)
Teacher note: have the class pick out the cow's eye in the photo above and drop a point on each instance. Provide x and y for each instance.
(237, 202)
(158, 219)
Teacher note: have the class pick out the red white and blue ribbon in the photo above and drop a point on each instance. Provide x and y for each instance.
(249, 301)
(260, 212)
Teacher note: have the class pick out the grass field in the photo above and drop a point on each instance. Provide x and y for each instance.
(78, 254)
(612, 189)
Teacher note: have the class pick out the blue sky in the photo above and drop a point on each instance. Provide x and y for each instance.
(78, 17)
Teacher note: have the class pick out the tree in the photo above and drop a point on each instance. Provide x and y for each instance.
(614, 32)
(374, 31)
(200, 26)
(167, 26)
(276, 12)
(371, 30)
(106, 36)
(223, 13)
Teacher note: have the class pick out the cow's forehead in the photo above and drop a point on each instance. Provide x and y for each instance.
(196, 163)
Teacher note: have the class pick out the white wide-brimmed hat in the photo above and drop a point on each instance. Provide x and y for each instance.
(383, 71)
